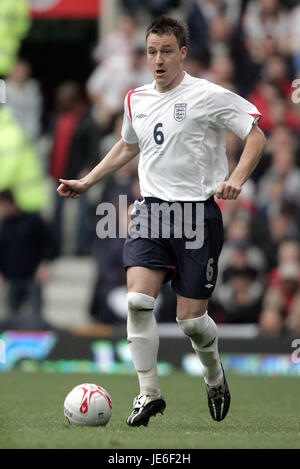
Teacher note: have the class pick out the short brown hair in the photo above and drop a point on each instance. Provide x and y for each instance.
(166, 25)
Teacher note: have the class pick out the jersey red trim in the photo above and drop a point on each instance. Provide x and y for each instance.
(256, 117)
(130, 93)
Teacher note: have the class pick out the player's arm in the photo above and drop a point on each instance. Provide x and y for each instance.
(253, 150)
(120, 154)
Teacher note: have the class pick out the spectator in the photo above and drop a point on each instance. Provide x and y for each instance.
(265, 19)
(220, 36)
(292, 322)
(239, 298)
(269, 234)
(240, 253)
(288, 253)
(110, 277)
(294, 37)
(202, 12)
(155, 7)
(283, 167)
(270, 321)
(272, 317)
(281, 300)
(271, 203)
(222, 72)
(276, 71)
(24, 99)
(282, 137)
(74, 150)
(118, 43)
(14, 24)
(198, 28)
(26, 246)
(112, 137)
(216, 26)
(197, 64)
(160, 7)
(245, 206)
(276, 109)
(109, 83)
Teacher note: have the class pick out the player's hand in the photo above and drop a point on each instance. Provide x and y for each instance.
(228, 190)
(71, 188)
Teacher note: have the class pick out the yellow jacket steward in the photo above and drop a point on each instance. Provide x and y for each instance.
(20, 168)
(14, 24)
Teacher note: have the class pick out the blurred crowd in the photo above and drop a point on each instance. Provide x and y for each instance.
(250, 47)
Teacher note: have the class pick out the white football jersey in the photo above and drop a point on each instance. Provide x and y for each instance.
(182, 136)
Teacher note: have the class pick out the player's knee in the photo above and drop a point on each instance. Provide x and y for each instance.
(139, 302)
(201, 330)
(188, 326)
(192, 326)
(191, 309)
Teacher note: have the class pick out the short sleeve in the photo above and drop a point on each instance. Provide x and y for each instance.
(128, 133)
(229, 111)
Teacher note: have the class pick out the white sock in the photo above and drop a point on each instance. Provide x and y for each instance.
(203, 334)
(143, 341)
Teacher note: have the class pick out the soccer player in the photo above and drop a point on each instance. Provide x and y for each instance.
(178, 124)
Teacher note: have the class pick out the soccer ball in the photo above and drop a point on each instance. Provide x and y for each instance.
(88, 405)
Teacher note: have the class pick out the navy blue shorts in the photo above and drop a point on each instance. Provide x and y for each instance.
(182, 241)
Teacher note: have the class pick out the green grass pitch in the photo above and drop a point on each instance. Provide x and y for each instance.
(264, 413)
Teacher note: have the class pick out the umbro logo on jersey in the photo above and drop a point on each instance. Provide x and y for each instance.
(209, 285)
(180, 111)
(140, 116)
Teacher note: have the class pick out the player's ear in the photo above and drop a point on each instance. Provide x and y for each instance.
(183, 51)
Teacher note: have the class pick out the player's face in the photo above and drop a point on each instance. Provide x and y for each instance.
(165, 59)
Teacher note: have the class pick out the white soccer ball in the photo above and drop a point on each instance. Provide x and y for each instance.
(88, 405)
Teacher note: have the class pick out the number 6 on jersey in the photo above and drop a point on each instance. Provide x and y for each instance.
(158, 135)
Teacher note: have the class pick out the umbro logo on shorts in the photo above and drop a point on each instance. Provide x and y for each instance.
(140, 116)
